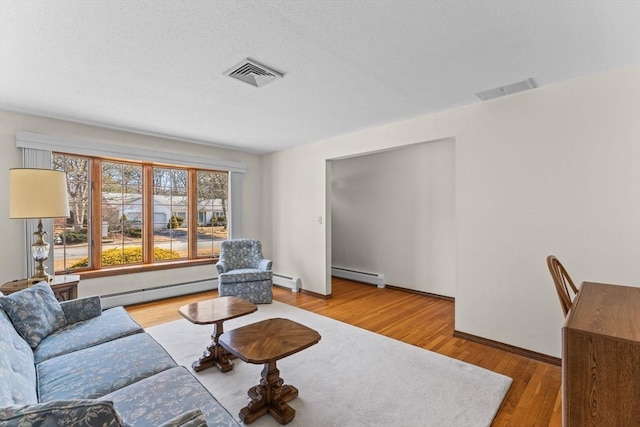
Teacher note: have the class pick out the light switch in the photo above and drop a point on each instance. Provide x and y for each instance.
(320, 220)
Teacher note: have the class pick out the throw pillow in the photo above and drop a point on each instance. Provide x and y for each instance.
(82, 412)
(34, 312)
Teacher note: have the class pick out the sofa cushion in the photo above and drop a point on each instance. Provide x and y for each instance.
(35, 312)
(79, 309)
(95, 371)
(62, 413)
(164, 396)
(111, 324)
(17, 372)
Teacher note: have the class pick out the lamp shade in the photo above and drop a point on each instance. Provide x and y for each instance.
(38, 193)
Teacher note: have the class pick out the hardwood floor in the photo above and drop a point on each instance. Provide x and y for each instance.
(534, 396)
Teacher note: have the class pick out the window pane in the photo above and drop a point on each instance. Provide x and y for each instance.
(122, 238)
(70, 235)
(170, 209)
(212, 212)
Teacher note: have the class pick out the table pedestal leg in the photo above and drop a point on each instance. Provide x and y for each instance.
(214, 355)
(270, 396)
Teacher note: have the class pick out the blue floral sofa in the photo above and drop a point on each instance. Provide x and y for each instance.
(73, 364)
(243, 271)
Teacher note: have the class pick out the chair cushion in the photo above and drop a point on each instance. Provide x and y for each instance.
(95, 371)
(245, 275)
(35, 312)
(111, 324)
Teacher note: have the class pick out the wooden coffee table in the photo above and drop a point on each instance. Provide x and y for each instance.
(215, 311)
(266, 342)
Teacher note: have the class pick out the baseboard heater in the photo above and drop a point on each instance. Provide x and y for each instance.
(292, 283)
(359, 276)
(159, 292)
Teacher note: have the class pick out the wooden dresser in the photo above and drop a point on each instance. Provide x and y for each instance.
(601, 357)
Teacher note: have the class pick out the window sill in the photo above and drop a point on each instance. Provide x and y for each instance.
(141, 268)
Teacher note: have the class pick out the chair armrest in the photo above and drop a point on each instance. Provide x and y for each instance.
(264, 264)
(221, 267)
(62, 413)
(192, 418)
(77, 310)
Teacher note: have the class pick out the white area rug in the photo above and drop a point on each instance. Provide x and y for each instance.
(351, 378)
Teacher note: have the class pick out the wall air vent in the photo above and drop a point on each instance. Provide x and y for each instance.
(507, 90)
(254, 73)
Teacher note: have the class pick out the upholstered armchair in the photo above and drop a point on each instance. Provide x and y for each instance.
(244, 272)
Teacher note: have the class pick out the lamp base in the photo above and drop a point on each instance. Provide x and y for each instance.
(40, 252)
(36, 279)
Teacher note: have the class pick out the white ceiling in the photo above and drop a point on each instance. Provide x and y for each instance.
(157, 66)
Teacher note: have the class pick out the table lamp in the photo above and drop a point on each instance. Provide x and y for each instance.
(38, 193)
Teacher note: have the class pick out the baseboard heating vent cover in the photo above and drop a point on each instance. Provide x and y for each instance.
(159, 292)
(253, 73)
(359, 276)
(292, 283)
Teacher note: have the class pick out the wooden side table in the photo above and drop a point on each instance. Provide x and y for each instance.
(266, 342)
(64, 287)
(215, 311)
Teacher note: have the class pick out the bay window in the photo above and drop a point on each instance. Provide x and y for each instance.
(127, 214)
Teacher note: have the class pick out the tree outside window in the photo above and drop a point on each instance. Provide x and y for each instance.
(71, 235)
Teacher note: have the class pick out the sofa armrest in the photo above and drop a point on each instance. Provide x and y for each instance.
(221, 267)
(192, 418)
(264, 264)
(77, 310)
(62, 413)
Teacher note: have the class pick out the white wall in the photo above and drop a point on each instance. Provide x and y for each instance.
(13, 252)
(300, 246)
(392, 208)
(552, 170)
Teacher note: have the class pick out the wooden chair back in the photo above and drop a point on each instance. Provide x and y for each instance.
(564, 285)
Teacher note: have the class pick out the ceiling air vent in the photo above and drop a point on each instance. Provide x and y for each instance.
(507, 90)
(254, 73)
